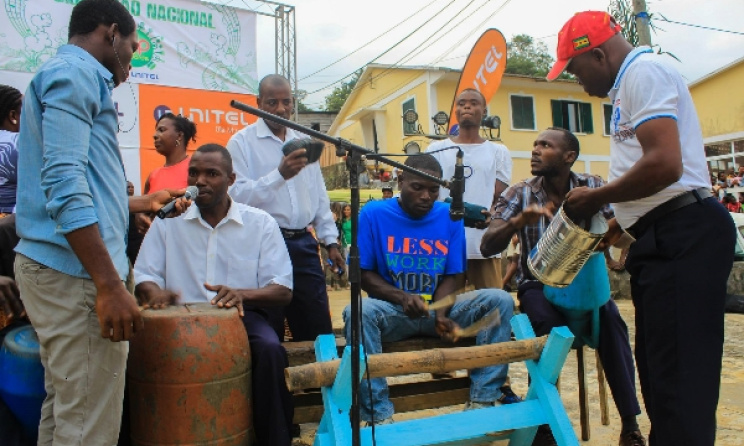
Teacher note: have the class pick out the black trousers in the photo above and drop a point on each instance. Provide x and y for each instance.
(614, 345)
(679, 267)
(308, 314)
(272, 403)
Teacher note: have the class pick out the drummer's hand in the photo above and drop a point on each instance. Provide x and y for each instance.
(532, 214)
(414, 306)
(159, 299)
(226, 297)
(446, 328)
(614, 232)
(581, 204)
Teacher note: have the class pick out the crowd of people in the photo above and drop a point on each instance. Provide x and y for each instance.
(78, 236)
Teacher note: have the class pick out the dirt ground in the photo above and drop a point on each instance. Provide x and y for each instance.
(730, 408)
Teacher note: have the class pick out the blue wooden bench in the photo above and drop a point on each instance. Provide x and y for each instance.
(518, 422)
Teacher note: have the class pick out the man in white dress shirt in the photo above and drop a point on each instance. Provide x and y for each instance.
(489, 173)
(294, 193)
(230, 255)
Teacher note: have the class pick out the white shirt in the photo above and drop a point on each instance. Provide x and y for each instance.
(646, 88)
(245, 250)
(489, 163)
(295, 203)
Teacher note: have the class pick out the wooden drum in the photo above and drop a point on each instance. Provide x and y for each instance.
(189, 378)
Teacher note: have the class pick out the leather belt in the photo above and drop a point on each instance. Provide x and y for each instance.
(678, 202)
(291, 234)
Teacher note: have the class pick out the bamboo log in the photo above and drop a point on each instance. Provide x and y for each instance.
(438, 360)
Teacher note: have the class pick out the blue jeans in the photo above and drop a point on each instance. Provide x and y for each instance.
(386, 322)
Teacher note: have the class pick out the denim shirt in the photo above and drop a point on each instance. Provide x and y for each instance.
(70, 171)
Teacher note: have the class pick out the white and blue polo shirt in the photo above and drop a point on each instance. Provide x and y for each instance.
(647, 88)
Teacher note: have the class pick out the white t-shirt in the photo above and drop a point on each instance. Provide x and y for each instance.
(245, 250)
(489, 163)
(647, 88)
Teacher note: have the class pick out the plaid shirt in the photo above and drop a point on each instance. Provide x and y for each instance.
(525, 193)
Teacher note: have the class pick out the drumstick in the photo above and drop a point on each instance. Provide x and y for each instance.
(487, 321)
(450, 299)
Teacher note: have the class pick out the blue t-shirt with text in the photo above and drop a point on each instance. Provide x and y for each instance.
(411, 254)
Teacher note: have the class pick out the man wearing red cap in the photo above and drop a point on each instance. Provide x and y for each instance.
(659, 186)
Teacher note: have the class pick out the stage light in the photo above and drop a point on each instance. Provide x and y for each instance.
(440, 118)
(412, 148)
(491, 122)
(410, 116)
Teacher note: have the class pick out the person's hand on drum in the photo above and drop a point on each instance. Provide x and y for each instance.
(226, 297)
(152, 296)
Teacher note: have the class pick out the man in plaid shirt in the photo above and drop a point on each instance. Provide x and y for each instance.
(526, 208)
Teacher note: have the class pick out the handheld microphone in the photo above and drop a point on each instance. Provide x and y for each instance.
(457, 189)
(191, 192)
(313, 147)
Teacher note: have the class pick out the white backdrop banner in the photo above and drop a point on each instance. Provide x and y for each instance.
(183, 43)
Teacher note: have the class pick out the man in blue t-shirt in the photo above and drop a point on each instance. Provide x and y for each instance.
(410, 252)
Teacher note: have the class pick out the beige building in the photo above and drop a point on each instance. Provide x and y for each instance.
(719, 100)
(373, 115)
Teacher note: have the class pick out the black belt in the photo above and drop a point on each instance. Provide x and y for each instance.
(678, 202)
(291, 234)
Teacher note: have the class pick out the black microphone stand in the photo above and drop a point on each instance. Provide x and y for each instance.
(356, 154)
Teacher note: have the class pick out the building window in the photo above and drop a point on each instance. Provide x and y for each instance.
(573, 116)
(607, 114)
(725, 156)
(522, 112)
(409, 128)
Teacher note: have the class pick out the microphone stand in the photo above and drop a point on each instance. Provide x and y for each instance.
(357, 154)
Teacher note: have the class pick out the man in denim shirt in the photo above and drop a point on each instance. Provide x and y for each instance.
(72, 219)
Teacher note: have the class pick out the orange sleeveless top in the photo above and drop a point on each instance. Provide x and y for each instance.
(170, 177)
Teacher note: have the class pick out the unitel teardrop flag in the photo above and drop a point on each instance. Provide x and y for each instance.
(483, 69)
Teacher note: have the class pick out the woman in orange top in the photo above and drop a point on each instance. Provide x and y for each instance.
(171, 138)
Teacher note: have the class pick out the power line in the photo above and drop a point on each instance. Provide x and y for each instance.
(390, 48)
(418, 50)
(473, 31)
(371, 41)
(664, 19)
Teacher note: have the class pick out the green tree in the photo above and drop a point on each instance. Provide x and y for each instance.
(336, 99)
(527, 57)
(300, 96)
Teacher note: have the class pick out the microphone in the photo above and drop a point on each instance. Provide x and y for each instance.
(457, 189)
(313, 147)
(191, 192)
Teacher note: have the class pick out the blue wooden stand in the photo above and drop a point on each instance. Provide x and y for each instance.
(542, 404)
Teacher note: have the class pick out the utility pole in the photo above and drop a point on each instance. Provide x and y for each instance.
(642, 22)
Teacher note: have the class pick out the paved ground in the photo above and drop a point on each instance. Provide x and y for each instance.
(730, 409)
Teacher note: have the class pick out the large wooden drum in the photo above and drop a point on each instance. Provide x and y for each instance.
(189, 378)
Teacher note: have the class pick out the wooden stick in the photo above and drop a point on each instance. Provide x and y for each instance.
(437, 360)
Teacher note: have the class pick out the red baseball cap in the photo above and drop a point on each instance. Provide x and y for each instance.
(583, 32)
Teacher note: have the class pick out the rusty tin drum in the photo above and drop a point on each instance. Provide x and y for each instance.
(564, 248)
(189, 378)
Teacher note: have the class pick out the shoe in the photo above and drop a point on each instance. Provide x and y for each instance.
(508, 396)
(470, 405)
(388, 420)
(632, 438)
(544, 436)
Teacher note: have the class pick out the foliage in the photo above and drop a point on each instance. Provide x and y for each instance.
(336, 99)
(622, 11)
(527, 57)
(300, 96)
